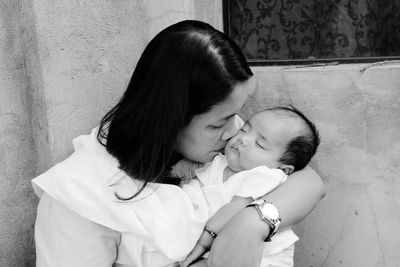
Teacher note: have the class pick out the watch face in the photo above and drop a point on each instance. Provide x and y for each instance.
(270, 211)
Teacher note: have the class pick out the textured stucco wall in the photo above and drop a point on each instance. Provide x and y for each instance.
(21, 122)
(64, 63)
(358, 115)
(88, 50)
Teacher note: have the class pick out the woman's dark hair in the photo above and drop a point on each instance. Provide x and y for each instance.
(184, 71)
(302, 148)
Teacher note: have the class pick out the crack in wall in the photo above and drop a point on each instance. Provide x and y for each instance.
(376, 226)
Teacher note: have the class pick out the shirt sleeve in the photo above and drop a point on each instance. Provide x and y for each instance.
(64, 239)
(257, 182)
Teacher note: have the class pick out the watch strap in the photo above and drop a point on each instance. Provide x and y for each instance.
(272, 223)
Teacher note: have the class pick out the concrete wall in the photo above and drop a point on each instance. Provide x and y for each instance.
(21, 122)
(64, 63)
(358, 115)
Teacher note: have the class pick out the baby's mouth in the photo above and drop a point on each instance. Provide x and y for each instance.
(234, 147)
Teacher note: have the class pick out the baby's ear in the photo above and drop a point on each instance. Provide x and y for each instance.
(287, 169)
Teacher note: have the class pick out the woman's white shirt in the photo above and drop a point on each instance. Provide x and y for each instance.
(64, 238)
(82, 190)
(80, 222)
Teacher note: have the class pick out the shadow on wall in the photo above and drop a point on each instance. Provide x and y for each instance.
(21, 115)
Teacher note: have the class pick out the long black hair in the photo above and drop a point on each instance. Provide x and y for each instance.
(184, 71)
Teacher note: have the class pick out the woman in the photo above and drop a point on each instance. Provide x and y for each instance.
(181, 102)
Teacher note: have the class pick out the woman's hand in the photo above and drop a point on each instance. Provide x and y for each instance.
(241, 241)
(199, 249)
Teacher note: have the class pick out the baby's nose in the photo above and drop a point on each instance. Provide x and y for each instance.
(243, 140)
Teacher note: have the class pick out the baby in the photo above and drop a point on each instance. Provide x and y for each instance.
(271, 145)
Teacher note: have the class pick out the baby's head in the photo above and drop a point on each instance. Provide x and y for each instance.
(280, 137)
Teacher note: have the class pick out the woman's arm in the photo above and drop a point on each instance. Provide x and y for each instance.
(240, 243)
(63, 238)
(298, 196)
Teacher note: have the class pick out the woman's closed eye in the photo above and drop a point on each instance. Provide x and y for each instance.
(216, 127)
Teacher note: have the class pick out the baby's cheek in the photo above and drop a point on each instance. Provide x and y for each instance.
(251, 160)
(244, 160)
(230, 157)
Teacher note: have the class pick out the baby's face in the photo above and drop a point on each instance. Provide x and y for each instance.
(261, 141)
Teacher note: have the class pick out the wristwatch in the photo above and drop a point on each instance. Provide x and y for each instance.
(269, 214)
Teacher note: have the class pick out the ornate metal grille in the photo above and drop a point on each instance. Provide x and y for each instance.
(287, 31)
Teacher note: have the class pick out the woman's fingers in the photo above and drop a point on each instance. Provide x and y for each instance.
(196, 252)
(201, 263)
(238, 244)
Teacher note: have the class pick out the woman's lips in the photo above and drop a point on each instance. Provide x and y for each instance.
(221, 150)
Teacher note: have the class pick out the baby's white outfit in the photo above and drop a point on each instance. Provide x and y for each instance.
(155, 229)
(253, 183)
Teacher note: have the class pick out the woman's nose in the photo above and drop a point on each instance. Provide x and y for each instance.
(230, 129)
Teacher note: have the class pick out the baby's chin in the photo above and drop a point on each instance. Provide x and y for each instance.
(234, 167)
(232, 162)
